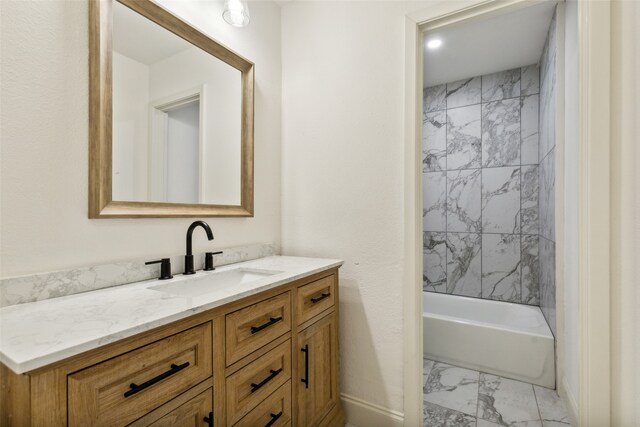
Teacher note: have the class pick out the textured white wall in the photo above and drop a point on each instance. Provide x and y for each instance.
(625, 214)
(343, 173)
(44, 158)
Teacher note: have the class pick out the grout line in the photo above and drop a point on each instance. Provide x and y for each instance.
(537, 404)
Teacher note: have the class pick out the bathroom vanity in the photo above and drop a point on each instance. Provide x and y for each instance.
(251, 344)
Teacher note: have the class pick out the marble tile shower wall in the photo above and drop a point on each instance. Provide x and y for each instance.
(480, 181)
(547, 178)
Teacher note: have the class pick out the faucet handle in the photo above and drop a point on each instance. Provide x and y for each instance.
(208, 260)
(165, 268)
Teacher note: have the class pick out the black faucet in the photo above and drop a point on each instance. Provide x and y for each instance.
(188, 259)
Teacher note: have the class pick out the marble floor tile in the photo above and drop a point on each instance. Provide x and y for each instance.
(501, 133)
(464, 137)
(453, 388)
(437, 416)
(434, 98)
(434, 143)
(464, 263)
(484, 423)
(529, 80)
(464, 201)
(507, 402)
(552, 410)
(464, 92)
(434, 252)
(434, 214)
(501, 85)
(501, 200)
(427, 365)
(501, 267)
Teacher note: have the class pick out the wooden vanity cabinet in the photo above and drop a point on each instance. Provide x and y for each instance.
(270, 359)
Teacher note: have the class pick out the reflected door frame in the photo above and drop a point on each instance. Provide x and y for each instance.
(157, 144)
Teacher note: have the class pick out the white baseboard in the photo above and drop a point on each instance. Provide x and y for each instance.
(364, 414)
(570, 402)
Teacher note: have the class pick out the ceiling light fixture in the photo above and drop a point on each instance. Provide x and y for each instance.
(236, 13)
(434, 43)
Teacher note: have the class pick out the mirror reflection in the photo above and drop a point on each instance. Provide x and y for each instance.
(176, 118)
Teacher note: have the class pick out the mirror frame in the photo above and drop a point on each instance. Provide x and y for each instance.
(101, 204)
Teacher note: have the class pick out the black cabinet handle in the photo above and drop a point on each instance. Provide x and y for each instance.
(320, 298)
(272, 320)
(305, 380)
(274, 418)
(273, 374)
(209, 419)
(135, 388)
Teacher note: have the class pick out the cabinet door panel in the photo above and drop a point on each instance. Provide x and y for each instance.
(318, 370)
(191, 414)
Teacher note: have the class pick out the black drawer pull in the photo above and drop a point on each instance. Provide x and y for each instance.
(274, 418)
(320, 298)
(135, 388)
(209, 419)
(272, 320)
(305, 380)
(255, 386)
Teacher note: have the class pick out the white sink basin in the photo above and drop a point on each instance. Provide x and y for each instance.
(210, 282)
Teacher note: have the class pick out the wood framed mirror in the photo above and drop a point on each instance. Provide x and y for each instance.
(170, 117)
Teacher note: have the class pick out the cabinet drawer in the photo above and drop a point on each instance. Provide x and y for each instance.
(315, 297)
(252, 327)
(274, 411)
(120, 390)
(256, 381)
(190, 414)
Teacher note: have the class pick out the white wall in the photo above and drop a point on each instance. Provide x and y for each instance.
(44, 158)
(343, 172)
(130, 128)
(222, 107)
(571, 364)
(625, 214)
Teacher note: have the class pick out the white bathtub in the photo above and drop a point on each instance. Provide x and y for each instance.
(505, 339)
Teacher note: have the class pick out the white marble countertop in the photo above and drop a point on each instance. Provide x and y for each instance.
(36, 334)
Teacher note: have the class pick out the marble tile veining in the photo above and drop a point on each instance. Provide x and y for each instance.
(453, 388)
(501, 200)
(463, 201)
(501, 133)
(38, 287)
(464, 92)
(464, 264)
(434, 146)
(435, 261)
(547, 250)
(507, 402)
(501, 85)
(530, 269)
(437, 416)
(552, 410)
(547, 203)
(529, 214)
(529, 129)
(501, 267)
(434, 98)
(529, 80)
(464, 141)
(434, 186)
(500, 402)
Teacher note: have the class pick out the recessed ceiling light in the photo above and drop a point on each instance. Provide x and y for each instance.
(434, 43)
